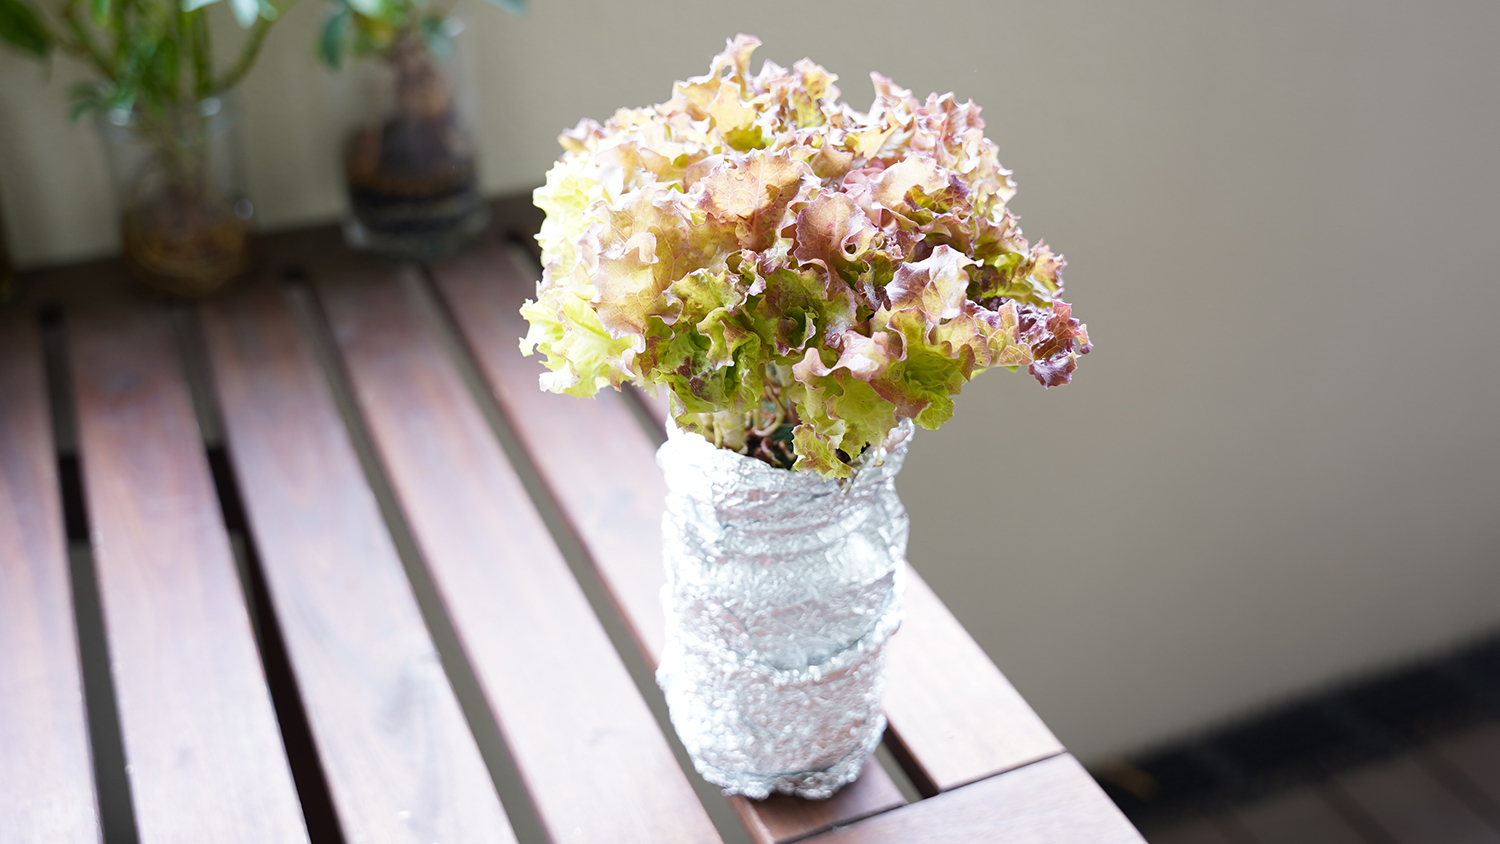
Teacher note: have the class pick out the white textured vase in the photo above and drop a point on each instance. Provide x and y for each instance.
(782, 589)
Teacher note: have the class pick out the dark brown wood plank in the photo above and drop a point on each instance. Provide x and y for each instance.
(594, 760)
(1412, 806)
(1475, 754)
(1303, 816)
(46, 776)
(953, 712)
(400, 762)
(614, 507)
(1049, 802)
(201, 739)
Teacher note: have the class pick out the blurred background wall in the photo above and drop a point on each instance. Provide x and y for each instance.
(1280, 467)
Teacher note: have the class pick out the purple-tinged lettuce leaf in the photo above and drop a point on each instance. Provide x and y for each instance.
(769, 255)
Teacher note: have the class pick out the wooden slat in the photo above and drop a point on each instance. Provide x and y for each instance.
(952, 711)
(1413, 807)
(46, 778)
(201, 740)
(594, 760)
(1303, 816)
(600, 466)
(1049, 802)
(1475, 754)
(400, 762)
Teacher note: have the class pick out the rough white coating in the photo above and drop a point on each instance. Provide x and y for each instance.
(781, 591)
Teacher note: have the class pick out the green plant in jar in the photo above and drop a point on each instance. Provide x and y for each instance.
(411, 166)
(159, 89)
(799, 276)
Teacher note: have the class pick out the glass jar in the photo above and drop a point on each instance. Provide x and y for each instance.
(184, 218)
(410, 166)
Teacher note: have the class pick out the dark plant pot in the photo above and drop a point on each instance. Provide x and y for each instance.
(412, 180)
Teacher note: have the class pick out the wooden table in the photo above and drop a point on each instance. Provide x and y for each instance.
(350, 576)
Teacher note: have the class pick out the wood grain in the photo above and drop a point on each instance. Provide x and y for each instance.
(1304, 816)
(614, 505)
(400, 762)
(1049, 802)
(594, 760)
(1406, 801)
(201, 740)
(46, 775)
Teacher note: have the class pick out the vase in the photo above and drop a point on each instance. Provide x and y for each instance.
(410, 166)
(179, 177)
(781, 591)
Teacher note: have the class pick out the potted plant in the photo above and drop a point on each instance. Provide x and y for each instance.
(169, 120)
(806, 282)
(410, 167)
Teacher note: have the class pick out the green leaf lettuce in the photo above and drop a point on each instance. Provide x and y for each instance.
(764, 252)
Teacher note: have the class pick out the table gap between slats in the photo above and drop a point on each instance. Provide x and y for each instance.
(467, 513)
(201, 735)
(112, 780)
(116, 812)
(47, 776)
(726, 820)
(399, 756)
(502, 768)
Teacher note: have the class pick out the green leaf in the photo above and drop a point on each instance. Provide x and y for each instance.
(21, 28)
(515, 7)
(99, 9)
(245, 12)
(194, 5)
(334, 37)
(816, 453)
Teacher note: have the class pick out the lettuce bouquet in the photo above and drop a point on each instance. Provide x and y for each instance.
(799, 276)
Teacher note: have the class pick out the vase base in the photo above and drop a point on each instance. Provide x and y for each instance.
(425, 242)
(809, 785)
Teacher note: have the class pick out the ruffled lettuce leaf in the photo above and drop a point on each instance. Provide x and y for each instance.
(755, 246)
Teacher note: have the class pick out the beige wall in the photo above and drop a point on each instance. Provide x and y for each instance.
(1279, 468)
